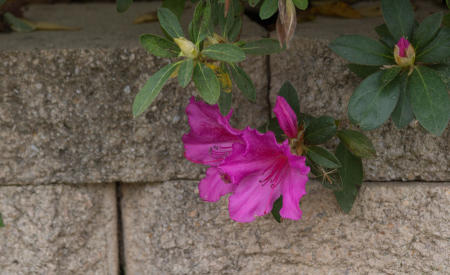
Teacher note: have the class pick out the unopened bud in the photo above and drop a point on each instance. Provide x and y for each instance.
(404, 53)
(187, 48)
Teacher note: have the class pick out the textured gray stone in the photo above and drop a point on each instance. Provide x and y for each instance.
(394, 228)
(59, 229)
(324, 85)
(65, 114)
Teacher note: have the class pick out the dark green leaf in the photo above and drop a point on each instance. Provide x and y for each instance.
(385, 36)
(402, 114)
(276, 209)
(438, 49)
(320, 130)
(230, 21)
(206, 83)
(268, 8)
(301, 4)
(362, 71)
(235, 30)
(362, 50)
(429, 99)
(446, 20)
(263, 46)
(290, 94)
(444, 72)
(199, 27)
(357, 143)
(427, 30)
(399, 17)
(159, 46)
(351, 174)
(305, 119)
(225, 102)
(276, 129)
(390, 74)
(253, 3)
(1, 219)
(322, 157)
(123, 5)
(328, 177)
(175, 6)
(373, 101)
(17, 24)
(152, 88)
(243, 82)
(185, 72)
(224, 52)
(169, 22)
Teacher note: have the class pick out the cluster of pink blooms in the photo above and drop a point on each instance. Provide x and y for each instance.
(251, 166)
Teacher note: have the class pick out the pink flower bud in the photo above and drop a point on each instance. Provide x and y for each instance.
(404, 53)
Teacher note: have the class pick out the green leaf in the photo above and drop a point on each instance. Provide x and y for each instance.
(362, 71)
(373, 101)
(444, 72)
(268, 8)
(224, 52)
(427, 30)
(362, 50)
(17, 24)
(233, 15)
(290, 94)
(263, 46)
(123, 5)
(199, 27)
(320, 130)
(351, 174)
(390, 74)
(429, 99)
(175, 6)
(276, 209)
(169, 22)
(151, 89)
(159, 46)
(402, 114)
(185, 72)
(206, 83)
(225, 100)
(446, 20)
(235, 30)
(301, 4)
(328, 177)
(253, 3)
(399, 17)
(385, 36)
(243, 82)
(438, 49)
(357, 143)
(322, 157)
(1, 219)
(276, 129)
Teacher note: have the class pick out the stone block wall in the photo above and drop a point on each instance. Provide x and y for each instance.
(87, 189)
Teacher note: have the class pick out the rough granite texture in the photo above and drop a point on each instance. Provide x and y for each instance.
(59, 229)
(392, 229)
(325, 84)
(65, 116)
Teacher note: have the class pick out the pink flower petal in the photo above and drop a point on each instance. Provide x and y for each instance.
(211, 136)
(213, 186)
(251, 199)
(293, 189)
(286, 117)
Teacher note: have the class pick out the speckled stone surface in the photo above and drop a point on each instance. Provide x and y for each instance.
(392, 229)
(65, 113)
(324, 85)
(59, 229)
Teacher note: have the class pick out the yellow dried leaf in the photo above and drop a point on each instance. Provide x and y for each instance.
(222, 76)
(146, 18)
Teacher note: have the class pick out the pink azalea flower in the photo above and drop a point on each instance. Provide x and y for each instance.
(286, 117)
(209, 142)
(402, 45)
(404, 53)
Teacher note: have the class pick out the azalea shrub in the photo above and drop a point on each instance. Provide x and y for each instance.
(405, 72)
(265, 170)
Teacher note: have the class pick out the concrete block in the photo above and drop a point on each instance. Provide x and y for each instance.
(59, 229)
(394, 228)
